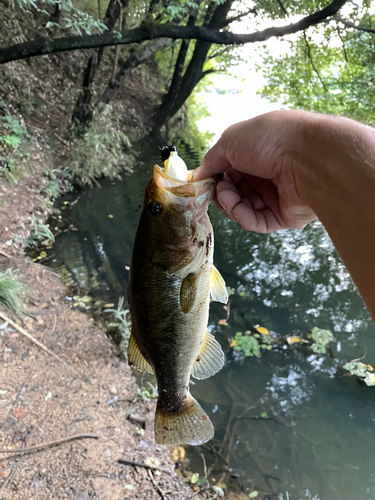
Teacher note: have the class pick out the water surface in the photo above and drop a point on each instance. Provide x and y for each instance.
(318, 438)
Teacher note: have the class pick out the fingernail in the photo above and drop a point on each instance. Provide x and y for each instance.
(219, 197)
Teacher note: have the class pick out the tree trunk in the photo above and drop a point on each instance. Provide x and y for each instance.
(182, 86)
(83, 110)
(170, 98)
(126, 68)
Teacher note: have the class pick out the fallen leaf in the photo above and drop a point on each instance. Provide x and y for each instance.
(223, 322)
(19, 413)
(262, 330)
(152, 462)
(110, 216)
(233, 343)
(370, 379)
(178, 453)
(293, 339)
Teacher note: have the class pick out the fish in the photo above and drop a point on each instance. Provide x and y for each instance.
(171, 279)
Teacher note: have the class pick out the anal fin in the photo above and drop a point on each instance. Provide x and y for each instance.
(136, 358)
(217, 286)
(210, 360)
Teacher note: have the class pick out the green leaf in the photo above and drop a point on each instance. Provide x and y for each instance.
(194, 478)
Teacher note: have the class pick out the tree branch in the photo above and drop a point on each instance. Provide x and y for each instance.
(240, 16)
(352, 25)
(312, 61)
(42, 46)
(282, 7)
(343, 43)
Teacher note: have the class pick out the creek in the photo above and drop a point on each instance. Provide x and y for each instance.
(290, 423)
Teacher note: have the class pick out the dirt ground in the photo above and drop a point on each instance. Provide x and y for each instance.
(89, 390)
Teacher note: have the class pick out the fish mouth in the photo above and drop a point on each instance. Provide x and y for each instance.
(195, 196)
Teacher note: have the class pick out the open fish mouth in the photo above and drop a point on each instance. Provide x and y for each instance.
(194, 196)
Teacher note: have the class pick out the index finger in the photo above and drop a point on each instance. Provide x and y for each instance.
(214, 162)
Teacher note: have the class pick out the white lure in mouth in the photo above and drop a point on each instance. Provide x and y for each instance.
(175, 167)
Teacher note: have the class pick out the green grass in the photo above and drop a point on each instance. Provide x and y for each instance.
(39, 232)
(12, 291)
(121, 322)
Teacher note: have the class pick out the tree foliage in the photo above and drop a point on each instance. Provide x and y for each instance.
(197, 38)
(330, 69)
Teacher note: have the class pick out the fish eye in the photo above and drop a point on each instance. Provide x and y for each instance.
(155, 208)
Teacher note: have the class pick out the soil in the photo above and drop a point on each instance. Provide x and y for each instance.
(89, 390)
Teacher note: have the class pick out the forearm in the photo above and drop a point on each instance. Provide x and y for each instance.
(336, 178)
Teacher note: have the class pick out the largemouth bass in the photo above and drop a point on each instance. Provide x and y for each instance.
(171, 278)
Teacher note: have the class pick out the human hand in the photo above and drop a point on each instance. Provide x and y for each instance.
(260, 159)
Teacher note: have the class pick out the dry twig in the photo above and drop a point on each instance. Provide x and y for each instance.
(50, 443)
(201, 490)
(8, 257)
(160, 491)
(36, 342)
(139, 464)
(62, 140)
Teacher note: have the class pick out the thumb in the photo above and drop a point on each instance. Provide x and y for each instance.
(214, 162)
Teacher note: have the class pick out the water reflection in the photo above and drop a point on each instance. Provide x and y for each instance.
(289, 424)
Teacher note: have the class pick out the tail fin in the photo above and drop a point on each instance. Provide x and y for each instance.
(189, 426)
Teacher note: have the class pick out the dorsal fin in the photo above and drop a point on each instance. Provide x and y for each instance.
(136, 358)
(210, 359)
(217, 287)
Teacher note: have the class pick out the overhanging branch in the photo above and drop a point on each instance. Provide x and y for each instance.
(352, 25)
(43, 46)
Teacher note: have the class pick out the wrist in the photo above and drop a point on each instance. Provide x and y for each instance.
(334, 156)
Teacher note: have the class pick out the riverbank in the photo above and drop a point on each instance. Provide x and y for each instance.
(89, 390)
(81, 385)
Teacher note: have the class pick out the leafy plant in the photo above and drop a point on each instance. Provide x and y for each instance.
(251, 344)
(147, 394)
(120, 315)
(12, 291)
(321, 339)
(12, 136)
(103, 150)
(70, 16)
(38, 232)
(362, 371)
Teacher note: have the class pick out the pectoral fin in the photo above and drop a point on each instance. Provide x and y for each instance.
(210, 360)
(135, 357)
(188, 292)
(217, 286)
